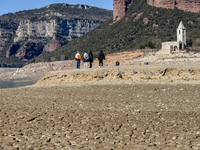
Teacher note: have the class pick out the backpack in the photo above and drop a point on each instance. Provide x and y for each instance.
(117, 63)
(78, 57)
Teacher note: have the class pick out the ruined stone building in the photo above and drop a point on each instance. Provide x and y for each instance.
(175, 46)
(119, 9)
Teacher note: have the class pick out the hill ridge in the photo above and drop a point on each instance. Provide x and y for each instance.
(21, 32)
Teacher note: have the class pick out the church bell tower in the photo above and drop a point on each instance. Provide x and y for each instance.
(181, 36)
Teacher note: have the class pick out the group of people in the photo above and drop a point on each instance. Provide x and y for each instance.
(89, 58)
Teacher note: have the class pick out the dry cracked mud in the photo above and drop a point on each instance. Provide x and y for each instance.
(104, 116)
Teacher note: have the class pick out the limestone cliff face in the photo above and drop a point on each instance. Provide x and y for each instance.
(186, 5)
(67, 28)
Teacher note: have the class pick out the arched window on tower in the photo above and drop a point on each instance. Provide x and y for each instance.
(179, 31)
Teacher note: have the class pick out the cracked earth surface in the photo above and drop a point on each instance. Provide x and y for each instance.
(126, 116)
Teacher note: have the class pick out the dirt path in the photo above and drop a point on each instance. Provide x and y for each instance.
(136, 116)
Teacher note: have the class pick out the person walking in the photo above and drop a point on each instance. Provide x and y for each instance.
(101, 57)
(78, 60)
(85, 60)
(90, 58)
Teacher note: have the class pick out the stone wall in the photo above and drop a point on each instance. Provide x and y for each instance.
(166, 47)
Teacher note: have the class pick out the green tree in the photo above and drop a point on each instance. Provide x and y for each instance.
(151, 45)
(189, 42)
(141, 47)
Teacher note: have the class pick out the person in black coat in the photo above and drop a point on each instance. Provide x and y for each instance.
(101, 57)
(90, 59)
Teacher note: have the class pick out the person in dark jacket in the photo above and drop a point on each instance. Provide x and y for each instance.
(90, 59)
(101, 57)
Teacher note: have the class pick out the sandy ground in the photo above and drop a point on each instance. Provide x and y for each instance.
(34, 71)
(104, 116)
(101, 115)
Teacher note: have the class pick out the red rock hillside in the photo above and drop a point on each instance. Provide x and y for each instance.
(186, 5)
(31, 49)
(121, 6)
(53, 44)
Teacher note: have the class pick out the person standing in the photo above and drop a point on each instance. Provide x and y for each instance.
(78, 60)
(85, 60)
(101, 57)
(90, 58)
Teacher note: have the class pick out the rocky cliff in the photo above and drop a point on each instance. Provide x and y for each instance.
(121, 6)
(46, 29)
(30, 49)
(68, 28)
(186, 5)
(53, 44)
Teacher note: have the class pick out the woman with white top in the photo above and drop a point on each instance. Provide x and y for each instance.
(85, 60)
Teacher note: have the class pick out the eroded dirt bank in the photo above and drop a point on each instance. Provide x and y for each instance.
(130, 73)
(34, 71)
(136, 116)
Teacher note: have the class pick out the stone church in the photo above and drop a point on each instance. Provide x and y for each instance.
(175, 46)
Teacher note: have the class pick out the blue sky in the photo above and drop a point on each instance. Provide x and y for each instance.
(11, 6)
